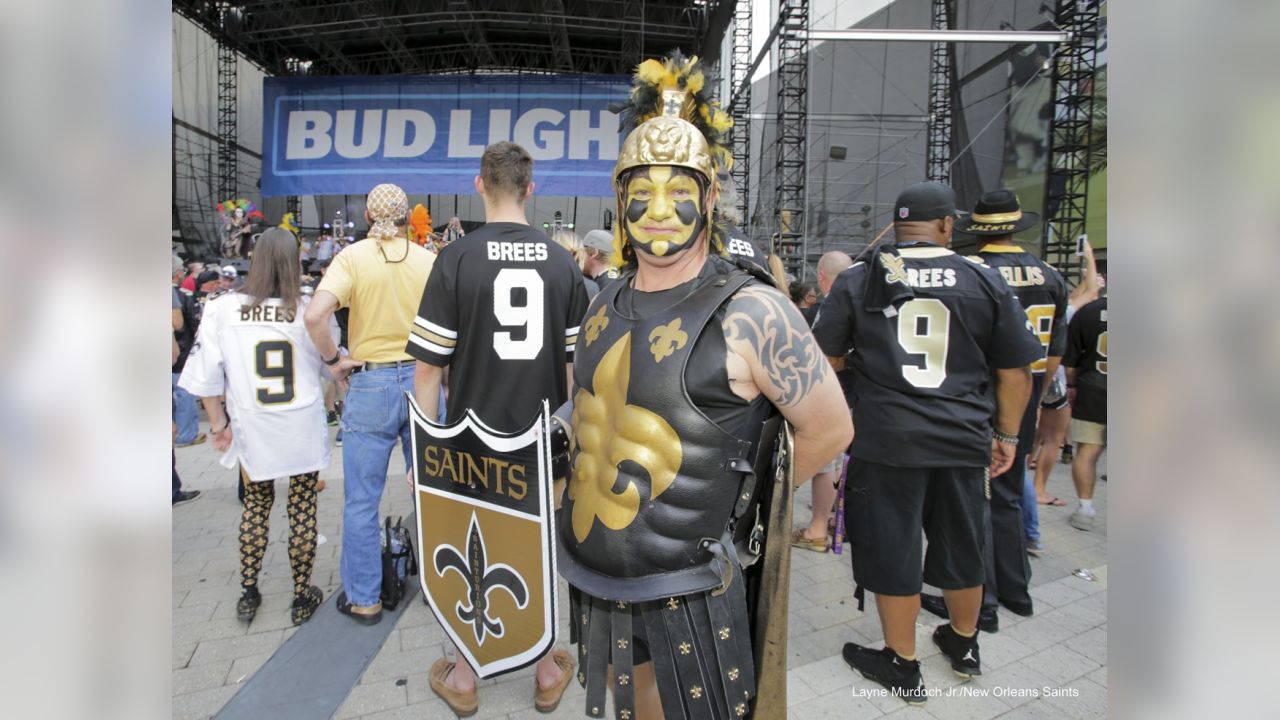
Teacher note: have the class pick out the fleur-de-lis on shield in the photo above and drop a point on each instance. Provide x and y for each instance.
(481, 579)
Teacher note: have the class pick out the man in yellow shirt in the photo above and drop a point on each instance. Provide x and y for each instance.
(380, 280)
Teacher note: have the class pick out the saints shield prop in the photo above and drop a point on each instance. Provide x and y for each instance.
(486, 534)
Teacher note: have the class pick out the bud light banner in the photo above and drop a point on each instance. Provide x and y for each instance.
(343, 135)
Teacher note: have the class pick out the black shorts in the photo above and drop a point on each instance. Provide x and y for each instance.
(1058, 404)
(886, 509)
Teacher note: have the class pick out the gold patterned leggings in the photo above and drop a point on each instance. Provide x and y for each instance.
(255, 532)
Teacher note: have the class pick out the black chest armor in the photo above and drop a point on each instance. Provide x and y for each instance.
(654, 481)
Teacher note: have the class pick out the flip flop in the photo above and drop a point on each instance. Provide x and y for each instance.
(1055, 502)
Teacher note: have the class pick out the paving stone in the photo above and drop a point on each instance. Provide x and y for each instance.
(204, 677)
(421, 636)
(212, 630)
(1099, 676)
(798, 690)
(1061, 665)
(1054, 594)
(838, 703)
(1092, 644)
(1084, 699)
(828, 614)
(232, 648)
(202, 704)
(182, 655)
(1015, 684)
(1038, 632)
(966, 701)
(1001, 649)
(400, 664)
(827, 674)
(371, 698)
(1076, 618)
(244, 667)
(198, 613)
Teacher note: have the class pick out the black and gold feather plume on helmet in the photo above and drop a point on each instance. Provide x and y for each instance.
(671, 120)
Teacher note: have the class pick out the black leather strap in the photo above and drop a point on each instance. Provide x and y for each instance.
(597, 652)
(624, 689)
(695, 687)
(664, 668)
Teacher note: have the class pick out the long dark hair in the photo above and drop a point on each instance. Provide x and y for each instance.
(275, 271)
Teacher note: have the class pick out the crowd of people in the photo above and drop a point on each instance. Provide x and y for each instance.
(960, 373)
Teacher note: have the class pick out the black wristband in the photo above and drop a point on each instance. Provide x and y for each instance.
(334, 360)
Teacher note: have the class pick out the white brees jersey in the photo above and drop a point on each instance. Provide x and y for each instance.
(264, 361)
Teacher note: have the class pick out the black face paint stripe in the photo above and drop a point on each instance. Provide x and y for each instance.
(687, 211)
(636, 209)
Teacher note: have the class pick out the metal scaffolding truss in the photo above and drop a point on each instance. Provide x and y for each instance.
(740, 137)
(790, 165)
(938, 145)
(380, 37)
(228, 132)
(1070, 128)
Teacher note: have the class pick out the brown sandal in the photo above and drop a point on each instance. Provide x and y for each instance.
(815, 544)
(548, 699)
(462, 704)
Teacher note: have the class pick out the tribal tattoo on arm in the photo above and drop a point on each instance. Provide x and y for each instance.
(778, 336)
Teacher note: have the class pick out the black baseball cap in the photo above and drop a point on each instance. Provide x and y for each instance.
(928, 200)
(207, 276)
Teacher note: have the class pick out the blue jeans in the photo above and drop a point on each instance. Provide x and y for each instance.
(1030, 510)
(374, 415)
(185, 414)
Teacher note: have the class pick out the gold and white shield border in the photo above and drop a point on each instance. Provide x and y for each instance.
(502, 442)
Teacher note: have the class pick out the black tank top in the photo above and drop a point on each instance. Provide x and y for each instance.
(706, 377)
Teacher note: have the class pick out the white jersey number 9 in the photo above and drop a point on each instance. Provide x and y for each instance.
(924, 328)
(529, 316)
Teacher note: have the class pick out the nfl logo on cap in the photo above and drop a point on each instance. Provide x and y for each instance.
(903, 213)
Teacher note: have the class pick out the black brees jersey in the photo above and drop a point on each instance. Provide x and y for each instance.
(501, 308)
(921, 393)
(1087, 352)
(1040, 290)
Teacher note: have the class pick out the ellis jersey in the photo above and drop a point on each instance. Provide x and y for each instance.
(1087, 352)
(265, 363)
(1040, 290)
(501, 309)
(921, 390)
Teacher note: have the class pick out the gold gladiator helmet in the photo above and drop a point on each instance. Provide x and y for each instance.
(674, 124)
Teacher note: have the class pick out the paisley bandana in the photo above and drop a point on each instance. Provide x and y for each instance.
(386, 204)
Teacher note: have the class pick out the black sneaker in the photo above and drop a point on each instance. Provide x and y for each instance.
(901, 677)
(331, 419)
(988, 619)
(304, 605)
(185, 496)
(962, 651)
(247, 606)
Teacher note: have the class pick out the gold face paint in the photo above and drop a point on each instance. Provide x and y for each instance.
(663, 209)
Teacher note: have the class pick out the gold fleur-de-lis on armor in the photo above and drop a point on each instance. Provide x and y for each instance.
(733, 673)
(596, 325)
(610, 432)
(624, 679)
(740, 709)
(673, 603)
(724, 633)
(624, 714)
(685, 648)
(666, 339)
(695, 692)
